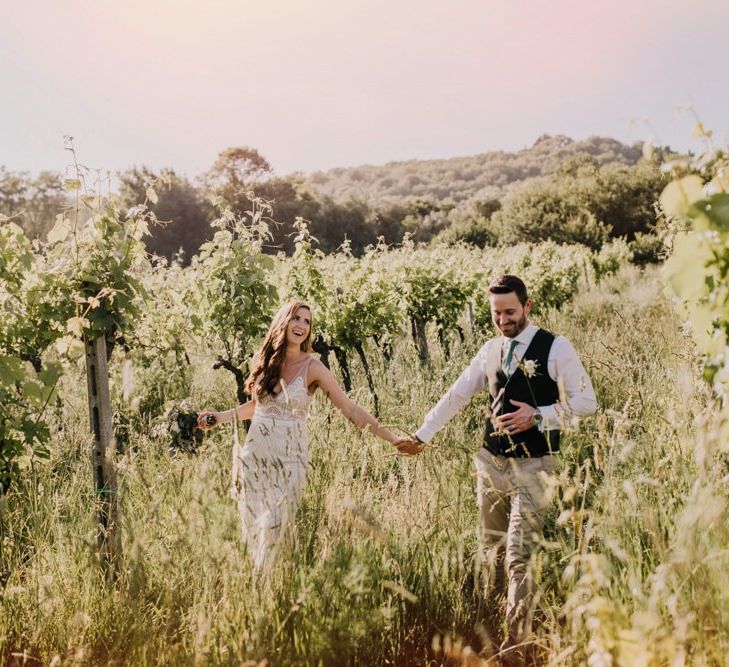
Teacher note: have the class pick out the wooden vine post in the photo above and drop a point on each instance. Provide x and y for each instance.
(102, 456)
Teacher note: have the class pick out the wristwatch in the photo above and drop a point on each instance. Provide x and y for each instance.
(538, 419)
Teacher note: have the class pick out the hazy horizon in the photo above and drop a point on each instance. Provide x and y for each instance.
(318, 85)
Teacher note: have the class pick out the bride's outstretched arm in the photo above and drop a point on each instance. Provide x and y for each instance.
(321, 377)
(244, 410)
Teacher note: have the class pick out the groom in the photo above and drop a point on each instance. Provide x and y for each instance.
(536, 384)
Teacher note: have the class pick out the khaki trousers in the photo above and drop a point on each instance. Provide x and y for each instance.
(513, 497)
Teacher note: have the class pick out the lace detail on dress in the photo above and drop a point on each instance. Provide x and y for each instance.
(270, 468)
(291, 403)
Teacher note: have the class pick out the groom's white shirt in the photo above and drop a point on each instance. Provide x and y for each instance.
(563, 366)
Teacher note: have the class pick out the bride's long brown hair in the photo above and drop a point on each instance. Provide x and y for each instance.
(267, 362)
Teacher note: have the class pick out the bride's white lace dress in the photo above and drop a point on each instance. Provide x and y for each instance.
(270, 468)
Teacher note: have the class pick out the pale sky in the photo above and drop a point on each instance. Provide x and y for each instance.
(314, 84)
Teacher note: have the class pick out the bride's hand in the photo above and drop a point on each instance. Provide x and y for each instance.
(206, 420)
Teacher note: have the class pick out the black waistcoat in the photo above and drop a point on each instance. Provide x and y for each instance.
(537, 390)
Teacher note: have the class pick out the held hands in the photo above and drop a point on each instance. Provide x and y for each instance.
(516, 422)
(409, 446)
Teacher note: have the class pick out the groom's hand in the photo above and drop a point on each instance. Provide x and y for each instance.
(522, 419)
(409, 446)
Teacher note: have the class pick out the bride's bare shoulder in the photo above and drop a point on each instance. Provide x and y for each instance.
(316, 364)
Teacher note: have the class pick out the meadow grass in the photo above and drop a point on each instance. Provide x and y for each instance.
(385, 568)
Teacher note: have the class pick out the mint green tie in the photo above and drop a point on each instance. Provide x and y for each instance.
(506, 365)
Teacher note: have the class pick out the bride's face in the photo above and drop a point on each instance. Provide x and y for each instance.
(299, 327)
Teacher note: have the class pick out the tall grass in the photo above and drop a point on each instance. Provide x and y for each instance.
(384, 568)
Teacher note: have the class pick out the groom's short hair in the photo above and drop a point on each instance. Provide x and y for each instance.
(507, 283)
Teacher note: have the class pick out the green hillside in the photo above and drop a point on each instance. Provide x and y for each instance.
(480, 176)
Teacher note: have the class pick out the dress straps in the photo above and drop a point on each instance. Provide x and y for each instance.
(303, 371)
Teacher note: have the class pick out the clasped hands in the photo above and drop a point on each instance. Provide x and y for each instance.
(409, 446)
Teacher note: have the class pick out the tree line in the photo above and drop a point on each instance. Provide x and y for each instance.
(464, 178)
(571, 192)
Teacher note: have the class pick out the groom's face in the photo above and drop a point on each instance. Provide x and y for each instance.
(509, 316)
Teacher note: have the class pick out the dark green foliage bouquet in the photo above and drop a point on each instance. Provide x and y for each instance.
(178, 427)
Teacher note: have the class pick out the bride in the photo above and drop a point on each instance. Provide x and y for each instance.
(270, 468)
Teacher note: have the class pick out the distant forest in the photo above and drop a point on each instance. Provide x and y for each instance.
(589, 192)
(460, 179)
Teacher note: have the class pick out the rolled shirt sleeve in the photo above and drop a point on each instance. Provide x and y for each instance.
(469, 383)
(566, 369)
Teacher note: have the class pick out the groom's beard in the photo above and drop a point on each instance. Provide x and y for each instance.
(513, 332)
